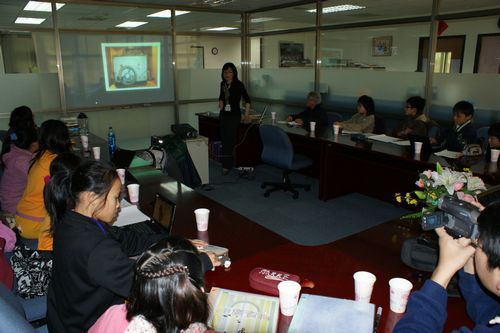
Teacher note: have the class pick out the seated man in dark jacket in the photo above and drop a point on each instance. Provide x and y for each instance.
(312, 112)
(479, 281)
(463, 133)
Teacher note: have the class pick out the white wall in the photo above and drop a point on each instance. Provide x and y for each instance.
(229, 50)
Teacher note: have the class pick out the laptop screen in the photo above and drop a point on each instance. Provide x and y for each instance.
(163, 212)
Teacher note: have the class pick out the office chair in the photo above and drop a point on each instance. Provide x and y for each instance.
(379, 127)
(278, 151)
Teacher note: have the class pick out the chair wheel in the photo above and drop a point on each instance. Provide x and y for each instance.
(295, 196)
(307, 188)
(266, 195)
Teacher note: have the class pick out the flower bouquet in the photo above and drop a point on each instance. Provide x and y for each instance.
(435, 184)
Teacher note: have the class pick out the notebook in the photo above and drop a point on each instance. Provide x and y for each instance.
(161, 221)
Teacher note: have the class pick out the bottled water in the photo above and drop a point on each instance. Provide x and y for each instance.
(111, 142)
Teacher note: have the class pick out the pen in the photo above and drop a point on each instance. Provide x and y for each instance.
(377, 319)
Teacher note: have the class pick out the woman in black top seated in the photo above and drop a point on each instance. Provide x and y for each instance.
(232, 91)
(312, 112)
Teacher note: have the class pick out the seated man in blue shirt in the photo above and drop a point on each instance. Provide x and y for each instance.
(479, 281)
(312, 112)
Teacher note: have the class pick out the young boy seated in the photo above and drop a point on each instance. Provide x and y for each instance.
(478, 266)
(463, 133)
(494, 136)
(416, 121)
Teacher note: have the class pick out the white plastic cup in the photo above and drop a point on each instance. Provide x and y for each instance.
(133, 192)
(494, 155)
(363, 286)
(336, 129)
(201, 215)
(121, 174)
(289, 292)
(273, 115)
(399, 293)
(312, 126)
(97, 152)
(85, 142)
(418, 147)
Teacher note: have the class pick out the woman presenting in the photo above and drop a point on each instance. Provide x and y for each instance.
(231, 92)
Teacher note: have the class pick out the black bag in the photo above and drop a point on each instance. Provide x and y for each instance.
(420, 253)
(32, 271)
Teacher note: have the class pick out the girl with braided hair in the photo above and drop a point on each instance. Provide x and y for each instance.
(167, 294)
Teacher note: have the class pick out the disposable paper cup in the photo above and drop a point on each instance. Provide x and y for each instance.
(97, 152)
(312, 125)
(133, 192)
(289, 296)
(121, 174)
(400, 291)
(201, 215)
(273, 115)
(363, 286)
(494, 155)
(85, 142)
(418, 147)
(336, 129)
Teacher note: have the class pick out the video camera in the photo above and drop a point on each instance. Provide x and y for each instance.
(458, 217)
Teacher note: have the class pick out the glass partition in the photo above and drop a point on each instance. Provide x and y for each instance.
(28, 71)
(379, 61)
(199, 63)
(295, 17)
(206, 22)
(285, 68)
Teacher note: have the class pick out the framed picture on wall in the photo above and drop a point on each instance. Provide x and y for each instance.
(382, 46)
(291, 54)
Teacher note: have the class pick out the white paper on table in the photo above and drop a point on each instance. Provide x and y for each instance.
(402, 143)
(349, 132)
(384, 138)
(292, 123)
(448, 154)
(282, 122)
(129, 214)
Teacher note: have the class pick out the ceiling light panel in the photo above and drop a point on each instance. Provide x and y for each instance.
(29, 20)
(167, 13)
(130, 24)
(39, 6)
(336, 9)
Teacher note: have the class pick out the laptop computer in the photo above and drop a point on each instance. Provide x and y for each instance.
(123, 158)
(162, 220)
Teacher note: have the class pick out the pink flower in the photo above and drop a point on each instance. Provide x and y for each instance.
(428, 173)
(420, 183)
(458, 186)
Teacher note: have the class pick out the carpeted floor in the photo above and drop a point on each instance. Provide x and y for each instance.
(305, 221)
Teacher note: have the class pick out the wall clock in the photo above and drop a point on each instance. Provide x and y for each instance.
(215, 50)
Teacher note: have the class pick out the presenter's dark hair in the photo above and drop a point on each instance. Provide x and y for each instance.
(54, 138)
(167, 288)
(489, 234)
(91, 176)
(416, 102)
(464, 107)
(367, 103)
(57, 188)
(231, 66)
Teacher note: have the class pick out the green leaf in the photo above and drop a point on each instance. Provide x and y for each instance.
(439, 168)
(420, 194)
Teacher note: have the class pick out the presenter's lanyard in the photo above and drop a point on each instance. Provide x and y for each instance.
(98, 223)
(226, 96)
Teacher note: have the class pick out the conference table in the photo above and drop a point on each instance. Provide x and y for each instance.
(329, 266)
(342, 166)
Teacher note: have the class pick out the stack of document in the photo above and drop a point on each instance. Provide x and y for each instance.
(390, 139)
(129, 214)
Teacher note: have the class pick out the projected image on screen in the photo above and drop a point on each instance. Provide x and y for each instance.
(131, 66)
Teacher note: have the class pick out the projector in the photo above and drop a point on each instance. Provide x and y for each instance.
(185, 131)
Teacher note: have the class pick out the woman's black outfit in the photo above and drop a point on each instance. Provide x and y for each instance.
(230, 119)
(92, 270)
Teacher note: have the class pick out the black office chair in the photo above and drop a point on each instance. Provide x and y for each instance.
(278, 151)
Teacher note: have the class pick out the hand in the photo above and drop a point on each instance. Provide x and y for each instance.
(198, 243)
(453, 255)
(214, 259)
(299, 122)
(289, 118)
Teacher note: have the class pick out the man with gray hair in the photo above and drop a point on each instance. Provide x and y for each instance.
(312, 112)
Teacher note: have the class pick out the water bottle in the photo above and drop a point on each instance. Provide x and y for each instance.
(111, 142)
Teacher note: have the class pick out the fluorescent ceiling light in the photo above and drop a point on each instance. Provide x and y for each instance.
(29, 20)
(167, 13)
(221, 28)
(130, 24)
(38, 6)
(263, 19)
(339, 8)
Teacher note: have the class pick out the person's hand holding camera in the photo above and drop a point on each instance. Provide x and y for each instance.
(453, 255)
